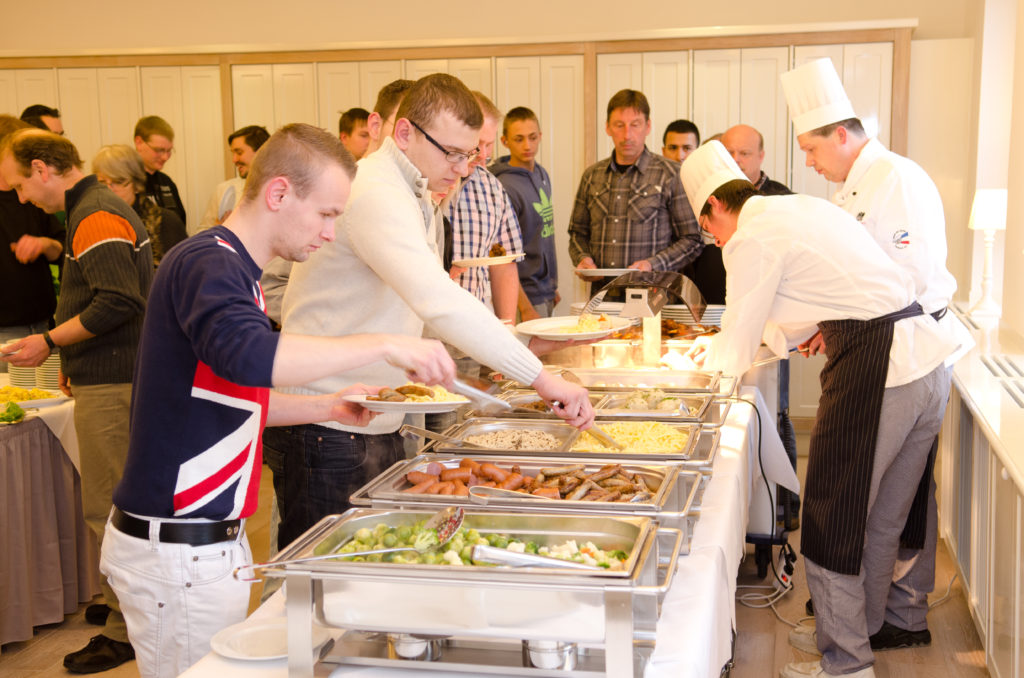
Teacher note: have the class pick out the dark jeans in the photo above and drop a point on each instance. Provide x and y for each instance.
(322, 468)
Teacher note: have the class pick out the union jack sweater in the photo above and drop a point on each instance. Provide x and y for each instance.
(201, 386)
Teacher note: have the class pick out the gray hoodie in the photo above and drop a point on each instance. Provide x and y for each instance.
(530, 195)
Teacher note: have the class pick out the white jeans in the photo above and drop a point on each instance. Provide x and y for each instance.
(174, 597)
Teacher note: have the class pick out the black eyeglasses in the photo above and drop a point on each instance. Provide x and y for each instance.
(454, 157)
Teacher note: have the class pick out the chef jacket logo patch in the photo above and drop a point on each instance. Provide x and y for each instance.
(900, 239)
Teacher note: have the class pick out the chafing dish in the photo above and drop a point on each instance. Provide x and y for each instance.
(520, 397)
(566, 436)
(615, 609)
(674, 490)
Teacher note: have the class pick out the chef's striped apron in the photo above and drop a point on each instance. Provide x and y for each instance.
(842, 450)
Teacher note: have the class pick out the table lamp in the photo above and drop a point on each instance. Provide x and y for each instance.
(988, 213)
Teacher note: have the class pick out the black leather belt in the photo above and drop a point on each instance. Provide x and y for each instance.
(192, 533)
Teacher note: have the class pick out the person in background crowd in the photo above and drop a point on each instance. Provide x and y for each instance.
(900, 208)
(381, 122)
(631, 210)
(384, 270)
(681, 138)
(154, 140)
(30, 240)
(795, 262)
(529, 190)
(120, 168)
(746, 146)
(105, 282)
(43, 117)
(243, 143)
(354, 132)
(208, 358)
(482, 217)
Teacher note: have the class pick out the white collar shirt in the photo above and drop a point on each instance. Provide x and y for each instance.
(795, 261)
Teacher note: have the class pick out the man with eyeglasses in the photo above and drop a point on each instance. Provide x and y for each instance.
(384, 271)
(154, 140)
(631, 210)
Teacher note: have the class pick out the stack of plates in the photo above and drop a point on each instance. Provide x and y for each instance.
(48, 374)
(23, 377)
(677, 312)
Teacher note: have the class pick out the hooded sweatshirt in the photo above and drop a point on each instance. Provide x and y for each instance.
(530, 195)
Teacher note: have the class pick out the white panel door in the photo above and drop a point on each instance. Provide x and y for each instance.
(561, 152)
(161, 95)
(476, 73)
(80, 111)
(252, 96)
(373, 75)
(294, 94)
(517, 83)
(666, 82)
(614, 72)
(36, 86)
(804, 385)
(716, 90)
(763, 104)
(337, 87)
(119, 98)
(203, 138)
(867, 78)
(9, 93)
(417, 68)
(804, 179)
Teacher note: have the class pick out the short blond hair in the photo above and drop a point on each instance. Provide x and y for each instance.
(298, 152)
(439, 93)
(153, 124)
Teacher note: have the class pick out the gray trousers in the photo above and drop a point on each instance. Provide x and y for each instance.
(849, 608)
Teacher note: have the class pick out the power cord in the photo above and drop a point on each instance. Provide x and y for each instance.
(945, 597)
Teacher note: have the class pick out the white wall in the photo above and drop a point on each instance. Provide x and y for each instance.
(68, 27)
(1013, 280)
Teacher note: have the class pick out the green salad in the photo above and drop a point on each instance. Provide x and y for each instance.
(12, 414)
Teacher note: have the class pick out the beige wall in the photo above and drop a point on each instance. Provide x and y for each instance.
(126, 25)
(1013, 257)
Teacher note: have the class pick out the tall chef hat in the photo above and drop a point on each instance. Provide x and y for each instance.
(705, 170)
(815, 96)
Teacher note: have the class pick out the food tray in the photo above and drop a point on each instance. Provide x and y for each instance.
(564, 433)
(695, 407)
(582, 606)
(520, 396)
(672, 505)
(614, 378)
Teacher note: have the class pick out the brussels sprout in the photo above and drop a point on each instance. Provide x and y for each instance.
(364, 535)
(466, 552)
(472, 536)
(390, 540)
(500, 541)
(373, 558)
(430, 558)
(404, 534)
(359, 559)
(380, 529)
(531, 547)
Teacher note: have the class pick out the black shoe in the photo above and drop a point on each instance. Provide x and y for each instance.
(809, 607)
(891, 637)
(97, 614)
(101, 654)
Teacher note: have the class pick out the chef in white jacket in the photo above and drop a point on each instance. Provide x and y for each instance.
(797, 265)
(899, 206)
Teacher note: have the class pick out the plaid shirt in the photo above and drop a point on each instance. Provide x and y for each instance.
(481, 216)
(642, 213)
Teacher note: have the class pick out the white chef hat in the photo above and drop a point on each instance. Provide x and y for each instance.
(815, 96)
(705, 170)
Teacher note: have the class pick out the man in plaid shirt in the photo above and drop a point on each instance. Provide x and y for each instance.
(631, 210)
(481, 215)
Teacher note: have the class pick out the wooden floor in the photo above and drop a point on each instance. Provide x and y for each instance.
(761, 646)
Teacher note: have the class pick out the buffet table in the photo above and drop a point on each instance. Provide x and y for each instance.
(48, 556)
(694, 633)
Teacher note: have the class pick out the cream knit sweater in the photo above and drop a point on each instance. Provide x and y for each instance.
(382, 274)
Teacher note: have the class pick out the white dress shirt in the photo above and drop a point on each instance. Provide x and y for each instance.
(795, 261)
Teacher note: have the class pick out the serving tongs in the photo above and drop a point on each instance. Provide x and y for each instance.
(447, 522)
(492, 555)
(410, 431)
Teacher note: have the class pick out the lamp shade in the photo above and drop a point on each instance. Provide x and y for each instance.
(988, 213)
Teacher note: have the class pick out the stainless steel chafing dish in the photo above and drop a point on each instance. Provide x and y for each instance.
(692, 455)
(672, 503)
(617, 610)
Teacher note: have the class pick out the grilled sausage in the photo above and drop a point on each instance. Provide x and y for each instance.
(492, 472)
(470, 464)
(447, 487)
(512, 482)
(460, 489)
(462, 474)
(417, 477)
(547, 492)
(421, 488)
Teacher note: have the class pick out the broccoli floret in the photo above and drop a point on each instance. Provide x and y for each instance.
(425, 540)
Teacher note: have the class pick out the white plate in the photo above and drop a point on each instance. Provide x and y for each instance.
(486, 261)
(405, 406)
(603, 272)
(548, 328)
(259, 640)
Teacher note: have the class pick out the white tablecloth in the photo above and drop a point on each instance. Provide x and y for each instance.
(694, 636)
(60, 419)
